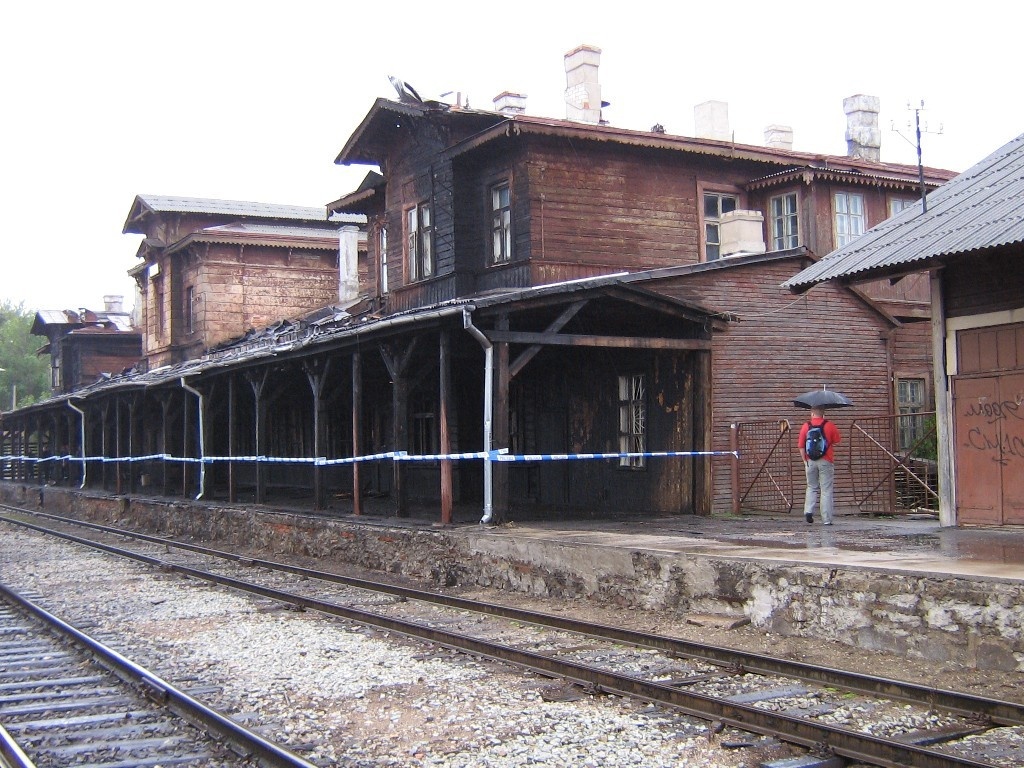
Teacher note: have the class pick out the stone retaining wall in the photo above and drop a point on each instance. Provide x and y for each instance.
(954, 619)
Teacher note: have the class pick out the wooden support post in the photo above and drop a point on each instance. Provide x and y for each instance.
(232, 440)
(444, 396)
(397, 364)
(133, 403)
(118, 448)
(257, 383)
(702, 490)
(165, 481)
(316, 375)
(104, 445)
(357, 443)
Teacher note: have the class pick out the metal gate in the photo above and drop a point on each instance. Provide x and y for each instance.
(892, 464)
(762, 475)
(889, 466)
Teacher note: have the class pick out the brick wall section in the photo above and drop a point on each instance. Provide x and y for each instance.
(933, 617)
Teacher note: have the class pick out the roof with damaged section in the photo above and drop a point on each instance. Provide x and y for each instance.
(980, 209)
(367, 144)
(341, 325)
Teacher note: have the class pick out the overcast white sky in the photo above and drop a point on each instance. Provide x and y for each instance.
(253, 100)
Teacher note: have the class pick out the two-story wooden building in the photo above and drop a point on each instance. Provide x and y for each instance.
(554, 288)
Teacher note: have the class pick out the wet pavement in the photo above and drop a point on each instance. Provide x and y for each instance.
(906, 544)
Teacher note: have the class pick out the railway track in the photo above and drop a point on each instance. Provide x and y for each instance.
(67, 699)
(870, 720)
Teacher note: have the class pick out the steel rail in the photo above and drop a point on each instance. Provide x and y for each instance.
(11, 755)
(953, 702)
(840, 741)
(245, 742)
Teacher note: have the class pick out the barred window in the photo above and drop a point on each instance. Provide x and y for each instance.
(632, 419)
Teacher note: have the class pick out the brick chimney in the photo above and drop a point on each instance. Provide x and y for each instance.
(582, 90)
(778, 137)
(113, 303)
(863, 138)
(509, 103)
(711, 121)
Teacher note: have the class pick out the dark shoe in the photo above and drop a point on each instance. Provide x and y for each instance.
(808, 517)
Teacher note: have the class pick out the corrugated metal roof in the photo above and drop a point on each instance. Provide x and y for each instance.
(171, 204)
(983, 207)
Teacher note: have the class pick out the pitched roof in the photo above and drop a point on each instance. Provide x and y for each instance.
(241, 209)
(981, 208)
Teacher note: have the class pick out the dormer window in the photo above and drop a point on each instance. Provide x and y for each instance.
(419, 242)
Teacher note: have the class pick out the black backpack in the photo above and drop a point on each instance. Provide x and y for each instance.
(816, 444)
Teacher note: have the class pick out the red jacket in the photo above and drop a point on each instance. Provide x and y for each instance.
(831, 435)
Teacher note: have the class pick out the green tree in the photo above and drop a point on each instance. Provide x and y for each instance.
(23, 372)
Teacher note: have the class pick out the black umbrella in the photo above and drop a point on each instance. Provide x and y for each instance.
(821, 398)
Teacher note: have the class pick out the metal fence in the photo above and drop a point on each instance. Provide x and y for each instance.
(888, 466)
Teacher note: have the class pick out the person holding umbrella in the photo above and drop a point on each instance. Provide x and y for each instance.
(819, 458)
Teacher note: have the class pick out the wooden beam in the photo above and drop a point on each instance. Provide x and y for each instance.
(528, 354)
(577, 340)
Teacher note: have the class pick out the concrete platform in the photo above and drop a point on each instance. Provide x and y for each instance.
(902, 585)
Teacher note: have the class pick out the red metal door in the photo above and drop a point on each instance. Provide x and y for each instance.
(976, 434)
(988, 423)
(1011, 406)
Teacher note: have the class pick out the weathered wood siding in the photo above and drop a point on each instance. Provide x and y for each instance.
(781, 346)
(238, 289)
(974, 284)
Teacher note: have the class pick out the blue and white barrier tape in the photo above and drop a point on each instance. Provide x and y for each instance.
(501, 455)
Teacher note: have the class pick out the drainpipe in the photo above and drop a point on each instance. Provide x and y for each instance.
(202, 437)
(467, 324)
(81, 437)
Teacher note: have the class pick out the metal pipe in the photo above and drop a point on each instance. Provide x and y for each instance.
(81, 437)
(202, 438)
(467, 324)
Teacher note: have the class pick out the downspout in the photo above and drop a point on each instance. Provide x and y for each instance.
(81, 437)
(202, 438)
(467, 324)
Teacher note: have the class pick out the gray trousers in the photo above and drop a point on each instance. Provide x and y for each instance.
(820, 477)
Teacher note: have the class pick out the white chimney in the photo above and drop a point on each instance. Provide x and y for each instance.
(583, 91)
(742, 232)
(711, 121)
(509, 103)
(348, 264)
(778, 137)
(863, 139)
(113, 303)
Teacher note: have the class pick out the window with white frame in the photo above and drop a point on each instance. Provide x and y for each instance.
(382, 259)
(501, 224)
(784, 223)
(910, 403)
(632, 419)
(849, 217)
(715, 204)
(420, 242)
(898, 204)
